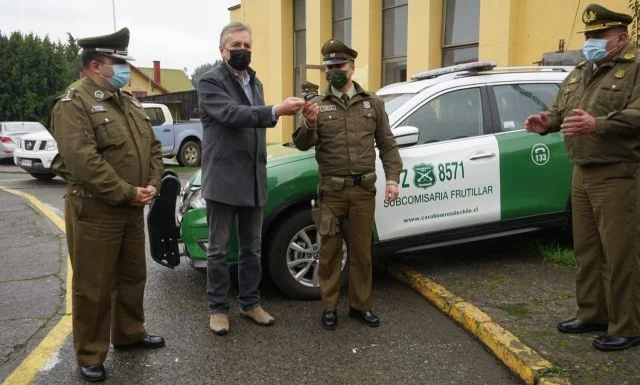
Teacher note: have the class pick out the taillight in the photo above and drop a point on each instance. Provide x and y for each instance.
(5, 139)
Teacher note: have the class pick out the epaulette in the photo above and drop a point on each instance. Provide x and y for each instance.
(69, 95)
(126, 92)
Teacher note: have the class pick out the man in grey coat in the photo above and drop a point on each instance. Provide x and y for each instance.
(234, 173)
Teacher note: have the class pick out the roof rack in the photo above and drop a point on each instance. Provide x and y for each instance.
(534, 68)
(474, 66)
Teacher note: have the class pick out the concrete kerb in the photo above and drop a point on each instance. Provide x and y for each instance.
(51, 343)
(532, 368)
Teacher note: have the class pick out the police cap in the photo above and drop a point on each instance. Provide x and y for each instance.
(336, 52)
(113, 45)
(596, 17)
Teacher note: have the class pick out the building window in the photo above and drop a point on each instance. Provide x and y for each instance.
(139, 94)
(342, 21)
(461, 31)
(299, 44)
(394, 41)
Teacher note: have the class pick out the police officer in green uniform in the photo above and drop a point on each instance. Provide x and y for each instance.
(344, 124)
(112, 161)
(598, 111)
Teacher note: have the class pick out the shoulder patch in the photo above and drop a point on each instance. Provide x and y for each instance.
(69, 95)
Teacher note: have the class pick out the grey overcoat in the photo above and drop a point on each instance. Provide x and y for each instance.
(234, 154)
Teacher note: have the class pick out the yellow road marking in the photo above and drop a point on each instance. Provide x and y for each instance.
(532, 368)
(38, 358)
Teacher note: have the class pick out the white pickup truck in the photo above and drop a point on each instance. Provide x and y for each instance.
(36, 151)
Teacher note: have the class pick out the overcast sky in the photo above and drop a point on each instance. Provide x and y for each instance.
(183, 33)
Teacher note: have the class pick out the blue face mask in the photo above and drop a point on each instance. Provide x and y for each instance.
(595, 49)
(121, 74)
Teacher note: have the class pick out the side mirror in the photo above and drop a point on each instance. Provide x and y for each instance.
(406, 135)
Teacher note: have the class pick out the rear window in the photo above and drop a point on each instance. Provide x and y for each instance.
(155, 116)
(393, 101)
(22, 127)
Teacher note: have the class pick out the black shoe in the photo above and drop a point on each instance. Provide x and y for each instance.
(149, 342)
(366, 317)
(575, 325)
(93, 373)
(329, 320)
(610, 343)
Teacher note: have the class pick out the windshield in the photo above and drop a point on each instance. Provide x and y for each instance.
(23, 127)
(393, 101)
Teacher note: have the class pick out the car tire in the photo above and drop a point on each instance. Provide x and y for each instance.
(189, 154)
(280, 254)
(43, 176)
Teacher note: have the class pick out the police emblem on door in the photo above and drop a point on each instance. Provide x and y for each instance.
(423, 175)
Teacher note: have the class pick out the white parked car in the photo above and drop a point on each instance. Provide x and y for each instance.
(10, 134)
(35, 153)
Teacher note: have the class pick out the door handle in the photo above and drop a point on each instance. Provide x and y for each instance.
(482, 155)
(166, 130)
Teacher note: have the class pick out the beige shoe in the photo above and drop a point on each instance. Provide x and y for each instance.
(259, 316)
(219, 323)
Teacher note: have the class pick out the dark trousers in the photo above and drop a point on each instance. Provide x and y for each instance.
(606, 228)
(106, 247)
(221, 218)
(357, 205)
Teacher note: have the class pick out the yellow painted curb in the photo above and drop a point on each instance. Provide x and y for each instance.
(521, 359)
(38, 358)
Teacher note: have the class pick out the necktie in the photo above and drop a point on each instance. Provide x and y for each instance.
(345, 98)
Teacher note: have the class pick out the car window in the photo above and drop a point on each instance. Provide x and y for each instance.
(457, 114)
(393, 101)
(23, 127)
(517, 101)
(155, 115)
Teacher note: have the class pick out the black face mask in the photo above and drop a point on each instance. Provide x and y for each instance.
(239, 59)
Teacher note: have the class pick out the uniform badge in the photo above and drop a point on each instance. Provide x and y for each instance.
(588, 17)
(328, 107)
(99, 94)
(366, 104)
(98, 108)
(619, 74)
(629, 56)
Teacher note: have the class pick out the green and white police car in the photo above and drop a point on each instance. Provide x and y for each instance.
(470, 172)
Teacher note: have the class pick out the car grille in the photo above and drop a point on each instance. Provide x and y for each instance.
(32, 145)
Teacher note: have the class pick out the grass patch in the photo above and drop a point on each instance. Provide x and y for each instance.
(555, 253)
(518, 310)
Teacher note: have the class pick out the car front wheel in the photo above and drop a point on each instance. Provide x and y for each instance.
(43, 175)
(294, 256)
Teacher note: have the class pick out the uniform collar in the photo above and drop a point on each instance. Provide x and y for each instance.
(355, 90)
(627, 54)
(95, 90)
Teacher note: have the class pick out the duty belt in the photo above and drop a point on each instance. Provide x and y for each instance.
(356, 180)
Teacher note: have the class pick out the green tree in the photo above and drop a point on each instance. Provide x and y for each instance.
(634, 32)
(199, 71)
(33, 71)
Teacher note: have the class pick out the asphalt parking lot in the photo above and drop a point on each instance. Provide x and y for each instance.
(416, 343)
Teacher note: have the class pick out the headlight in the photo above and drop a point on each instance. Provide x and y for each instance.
(51, 145)
(198, 202)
